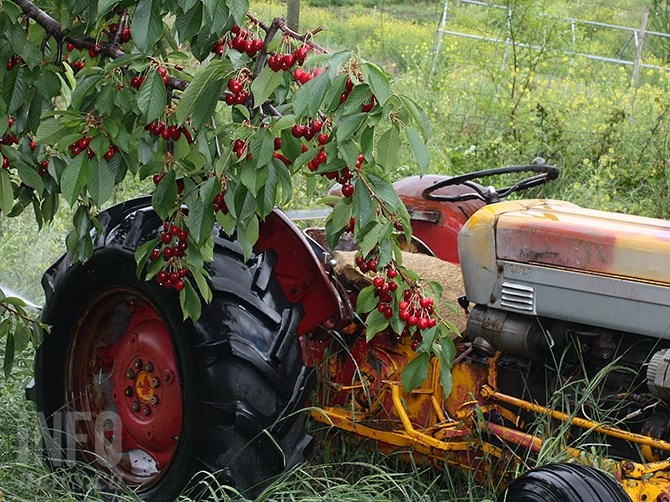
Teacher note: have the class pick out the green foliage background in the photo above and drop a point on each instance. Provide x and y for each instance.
(609, 137)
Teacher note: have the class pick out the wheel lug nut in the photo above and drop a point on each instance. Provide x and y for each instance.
(155, 382)
(136, 406)
(149, 367)
(138, 364)
(129, 391)
(146, 411)
(154, 400)
(130, 374)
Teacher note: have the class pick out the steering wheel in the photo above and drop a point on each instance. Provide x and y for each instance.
(543, 174)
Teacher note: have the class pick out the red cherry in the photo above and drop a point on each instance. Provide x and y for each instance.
(157, 178)
(422, 323)
(348, 190)
(372, 264)
(404, 315)
(84, 142)
(161, 277)
(235, 85)
(70, 47)
(5, 163)
(378, 282)
(179, 284)
(298, 130)
(10, 121)
(166, 237)
(155, 254)
(426, 301)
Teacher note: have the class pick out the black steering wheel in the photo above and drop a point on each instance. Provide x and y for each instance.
(543, 174)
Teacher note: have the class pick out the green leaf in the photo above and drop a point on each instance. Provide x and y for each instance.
(100, 181)
(375, 323)
(341, 214)
(190, 302)
(152, 98)
(349, 125)
(105, 6)
(188, 24)
(200, 220)
(308, 98)
(29, 176)
(84, 87)
(367, 300)
(285, 122)
(50, 132)
(378, 82)
(364, 211)
(265, 84)
(238, 9)
(388, 149)
(74, 178)
(14, 89)
(445, 351)
(419, 148)
(247, 236)
(6, 192)
(164, 197)
(147, 25)
(262, 146)
(201, 282)
(201, 96)
(143, 252)
(415, 372)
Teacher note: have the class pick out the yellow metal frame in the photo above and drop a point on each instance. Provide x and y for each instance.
(450, 439)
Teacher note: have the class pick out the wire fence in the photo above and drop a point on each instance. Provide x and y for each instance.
(630, 53)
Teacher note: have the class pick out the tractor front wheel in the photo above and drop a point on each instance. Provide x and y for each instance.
(564, 483)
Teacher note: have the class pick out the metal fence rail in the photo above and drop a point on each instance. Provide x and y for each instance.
(638, 36)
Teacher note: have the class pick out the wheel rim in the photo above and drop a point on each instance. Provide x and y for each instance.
(123, 388)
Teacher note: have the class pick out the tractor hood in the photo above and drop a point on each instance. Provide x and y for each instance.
(528, 255)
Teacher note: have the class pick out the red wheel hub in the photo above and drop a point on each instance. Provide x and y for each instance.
(123, 384)
(145, 387)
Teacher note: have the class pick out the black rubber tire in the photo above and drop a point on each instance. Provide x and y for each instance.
(242, 380)
(564, 483)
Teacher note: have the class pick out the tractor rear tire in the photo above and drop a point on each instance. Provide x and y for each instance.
(564, 483)
(156, 403)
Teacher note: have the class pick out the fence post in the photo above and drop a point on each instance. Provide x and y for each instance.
(640, 44)
(437, 43)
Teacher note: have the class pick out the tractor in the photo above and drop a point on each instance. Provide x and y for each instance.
(564, 320)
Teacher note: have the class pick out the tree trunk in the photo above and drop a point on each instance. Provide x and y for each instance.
(293, 14)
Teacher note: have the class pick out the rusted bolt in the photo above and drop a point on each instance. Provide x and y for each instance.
(154, 400)
(149, 367)
(138, 364)
(149, 435)
(129, 391)
(146, 410)
(136, 406)
(130, 374)
(627, 466)
(155, 383)
(168, 376)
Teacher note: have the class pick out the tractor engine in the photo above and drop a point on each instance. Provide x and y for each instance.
(579, 306)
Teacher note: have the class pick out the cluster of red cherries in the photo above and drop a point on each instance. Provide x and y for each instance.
(243, 42)
(284, 62)
(13, 61)
(172, 247)
(416, 309)
(238, 94)
(161, 129)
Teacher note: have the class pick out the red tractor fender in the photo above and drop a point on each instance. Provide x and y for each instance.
(435, 223)
(301, 275)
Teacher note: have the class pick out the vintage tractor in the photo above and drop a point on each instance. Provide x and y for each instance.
(563, 352)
